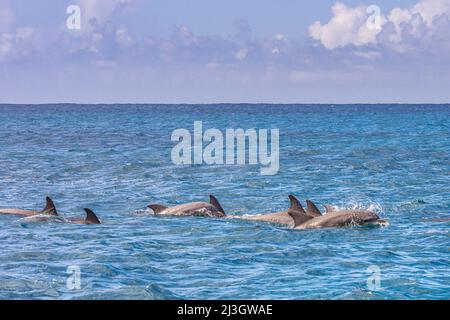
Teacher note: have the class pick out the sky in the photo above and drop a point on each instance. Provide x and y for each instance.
(217, 51)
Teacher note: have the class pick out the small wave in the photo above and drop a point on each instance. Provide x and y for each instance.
(371, 206)
(143, 212)
(436, 231)
(413, 203)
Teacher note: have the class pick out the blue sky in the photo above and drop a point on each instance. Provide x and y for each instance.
(204, 51)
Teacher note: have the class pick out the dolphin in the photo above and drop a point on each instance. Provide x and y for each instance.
(91, 218)
(284, 217)
(49, 210)
(334, 218)
(203, 209)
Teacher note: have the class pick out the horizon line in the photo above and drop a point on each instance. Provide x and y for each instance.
(221, 103)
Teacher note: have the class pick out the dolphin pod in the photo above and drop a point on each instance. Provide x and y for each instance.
(296, 217)
(312, 218)
(284, 217)
(50, 211)
(202, 209)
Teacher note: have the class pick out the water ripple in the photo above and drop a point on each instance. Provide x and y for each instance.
(392, 159)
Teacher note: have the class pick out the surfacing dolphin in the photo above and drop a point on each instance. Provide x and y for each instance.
(334, 218)
(49, 210)
(91, 218)
(284, 217)
(202, 209)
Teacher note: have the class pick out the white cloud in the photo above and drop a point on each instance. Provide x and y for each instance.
(17, 44)
(6, 45)
(96, 13)
(402, 29)
(348, 26)
(280, 37)
(279, 44)
(184, 36)
(123, 38)
(7, 39)
(276, 51)
(430, 9)
(397, 17)
(241, 54)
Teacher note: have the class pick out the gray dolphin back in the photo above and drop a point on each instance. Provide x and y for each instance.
(157, 208)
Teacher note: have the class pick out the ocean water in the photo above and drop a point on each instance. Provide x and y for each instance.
(394, 159)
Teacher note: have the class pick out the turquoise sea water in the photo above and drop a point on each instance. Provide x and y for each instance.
(394, 159)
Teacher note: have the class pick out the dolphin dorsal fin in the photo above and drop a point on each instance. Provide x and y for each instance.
(329, 208)
(157, 208)
(312, 210)
(50, 208)
(91, 217)
(297, 212)
(295, 204)
(213, 200)
(298, 217)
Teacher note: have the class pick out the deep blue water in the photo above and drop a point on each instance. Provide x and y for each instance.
(394, 159)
